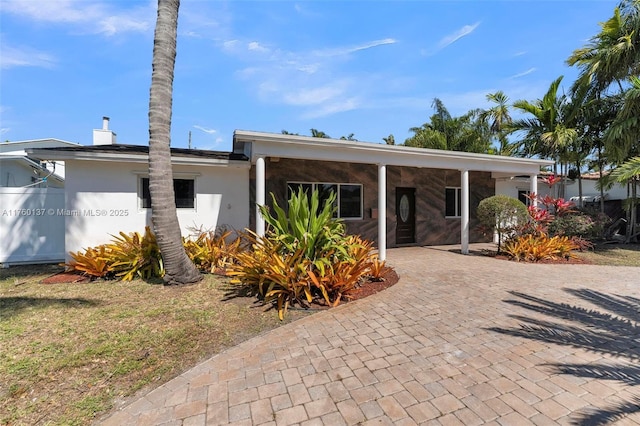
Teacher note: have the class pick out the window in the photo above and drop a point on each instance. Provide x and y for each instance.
(523, 195)
(348, 196)
(453, 202)
(184, 191)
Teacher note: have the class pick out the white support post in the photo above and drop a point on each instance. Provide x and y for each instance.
(382, 211)
(464, 212)
(260, 194)
(533, 188)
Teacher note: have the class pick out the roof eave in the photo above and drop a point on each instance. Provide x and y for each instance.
(271, 144)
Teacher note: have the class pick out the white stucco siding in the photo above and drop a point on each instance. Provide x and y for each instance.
(511, 187)
(102, 199)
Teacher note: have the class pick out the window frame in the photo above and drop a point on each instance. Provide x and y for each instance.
(142, 177)
(457, 200)
(314, 186)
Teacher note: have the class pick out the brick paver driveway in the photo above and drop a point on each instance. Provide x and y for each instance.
(459, 340)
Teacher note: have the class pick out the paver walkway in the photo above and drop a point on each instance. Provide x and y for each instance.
(459, 340)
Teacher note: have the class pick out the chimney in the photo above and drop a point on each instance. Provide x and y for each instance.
(104, 136)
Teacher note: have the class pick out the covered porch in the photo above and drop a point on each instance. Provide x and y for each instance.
(267, 149)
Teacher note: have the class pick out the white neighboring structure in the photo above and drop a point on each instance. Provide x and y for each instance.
(106, 191)
(517, 186)
(29, 188)
(18, 170)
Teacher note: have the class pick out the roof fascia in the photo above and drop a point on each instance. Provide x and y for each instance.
(302, 147)
(130, 158)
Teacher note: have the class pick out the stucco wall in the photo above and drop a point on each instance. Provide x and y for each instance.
(102, 199)
(511, 187)
(432, 228)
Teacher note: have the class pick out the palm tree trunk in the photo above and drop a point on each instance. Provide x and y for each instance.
(178, 267)
(580, 203)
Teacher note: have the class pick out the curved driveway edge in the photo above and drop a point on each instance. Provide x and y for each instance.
(459, 340)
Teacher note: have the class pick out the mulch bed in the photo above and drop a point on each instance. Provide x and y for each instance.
(66, 278)
(372, 287)
(368, 288)
(569, 261)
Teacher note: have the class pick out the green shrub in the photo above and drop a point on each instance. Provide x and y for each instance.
(571, 225)
(502, 214)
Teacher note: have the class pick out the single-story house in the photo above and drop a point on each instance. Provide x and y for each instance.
(393, 195)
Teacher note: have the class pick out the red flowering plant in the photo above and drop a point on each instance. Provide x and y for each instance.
(551, 180)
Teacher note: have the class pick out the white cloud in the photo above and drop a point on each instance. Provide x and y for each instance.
(4, 130)
(333, 108)
(311, 80)
(450, 39)
(23, 56)
(313, 96)
(522, 74)
(520, 53)
(87, 17)
(457, 35)
(255, 46)
(206, 130)
(340, 51)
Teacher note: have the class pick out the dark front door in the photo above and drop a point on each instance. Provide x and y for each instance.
(405, 215)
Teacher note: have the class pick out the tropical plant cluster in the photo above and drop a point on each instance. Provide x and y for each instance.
(549, 229)
(135, 255)
(555, 230)
(305, 256)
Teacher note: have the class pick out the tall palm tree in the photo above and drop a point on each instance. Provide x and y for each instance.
(629, 173)
(623, 136)
(612, 55)
(547, 133)
(499, 119)
(178, 267)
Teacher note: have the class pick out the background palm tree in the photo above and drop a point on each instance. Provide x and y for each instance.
(612, 55)
(547, 133)
(465, 133)
(178, 267)
(499, 119)
(315, 133)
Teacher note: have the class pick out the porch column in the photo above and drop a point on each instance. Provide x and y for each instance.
(260, 194)
(382, 211)
(533, 188)
(464, 212)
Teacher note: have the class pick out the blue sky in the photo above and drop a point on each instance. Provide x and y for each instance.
(371, 68)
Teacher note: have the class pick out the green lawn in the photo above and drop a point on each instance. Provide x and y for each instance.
(67, 351)
(613, 254)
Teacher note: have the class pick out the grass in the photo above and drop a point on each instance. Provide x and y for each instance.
(613, 254)
(69, 351)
